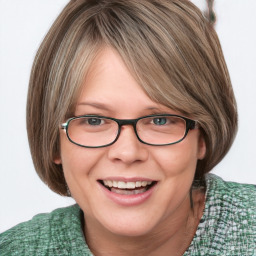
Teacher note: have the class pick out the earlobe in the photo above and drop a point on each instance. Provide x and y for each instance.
(201, 147)
(57, 160)
(57, 156)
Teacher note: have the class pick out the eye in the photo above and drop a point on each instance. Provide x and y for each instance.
(95, 121)
(160, 120)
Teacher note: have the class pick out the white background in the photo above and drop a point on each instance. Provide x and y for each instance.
(22, 27)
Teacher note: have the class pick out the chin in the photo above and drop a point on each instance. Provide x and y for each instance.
(130, 225)
(130, 230)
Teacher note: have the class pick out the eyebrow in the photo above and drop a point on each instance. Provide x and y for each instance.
(103, 106)
(95, 105)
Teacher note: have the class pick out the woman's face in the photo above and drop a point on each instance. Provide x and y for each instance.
(110, 90)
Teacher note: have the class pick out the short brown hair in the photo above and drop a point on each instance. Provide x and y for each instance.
(170, 48)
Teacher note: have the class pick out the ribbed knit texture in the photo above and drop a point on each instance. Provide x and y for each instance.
(227, 227)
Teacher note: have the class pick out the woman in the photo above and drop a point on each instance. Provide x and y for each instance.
(129, 107)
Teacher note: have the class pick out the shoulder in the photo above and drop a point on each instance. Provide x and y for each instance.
(229, 221)
(232, 195)
(45, 234)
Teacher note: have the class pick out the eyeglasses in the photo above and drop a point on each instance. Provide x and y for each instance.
(93, 131)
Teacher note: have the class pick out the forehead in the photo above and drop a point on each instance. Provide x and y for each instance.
(110, 87)
(106, 73)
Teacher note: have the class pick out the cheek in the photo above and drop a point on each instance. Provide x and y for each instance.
(77, 162)
(177, 158)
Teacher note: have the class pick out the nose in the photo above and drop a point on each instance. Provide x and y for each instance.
(128, 149)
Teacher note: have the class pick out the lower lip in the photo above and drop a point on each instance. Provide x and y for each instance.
(128, 200)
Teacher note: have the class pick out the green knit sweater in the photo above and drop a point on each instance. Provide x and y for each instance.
(227, 227)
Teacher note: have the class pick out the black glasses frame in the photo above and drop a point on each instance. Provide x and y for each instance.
(190, 125)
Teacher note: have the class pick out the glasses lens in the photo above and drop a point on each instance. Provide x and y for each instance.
(160, 130)
(92, 131)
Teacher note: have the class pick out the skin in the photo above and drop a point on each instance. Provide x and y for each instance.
(164, 223)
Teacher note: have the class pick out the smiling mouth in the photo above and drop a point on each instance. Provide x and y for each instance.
(127, 188)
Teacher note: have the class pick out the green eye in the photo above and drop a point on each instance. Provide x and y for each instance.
(159, 121)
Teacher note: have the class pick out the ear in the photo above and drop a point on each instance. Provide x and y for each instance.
(57, 159)
(57, 155)
(201, 147)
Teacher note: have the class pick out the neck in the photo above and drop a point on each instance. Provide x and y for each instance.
(172, 237)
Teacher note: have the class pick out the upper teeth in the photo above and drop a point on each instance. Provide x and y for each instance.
(122, 184)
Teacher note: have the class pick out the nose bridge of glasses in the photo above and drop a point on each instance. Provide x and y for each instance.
(132, 122)
(122, 122)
